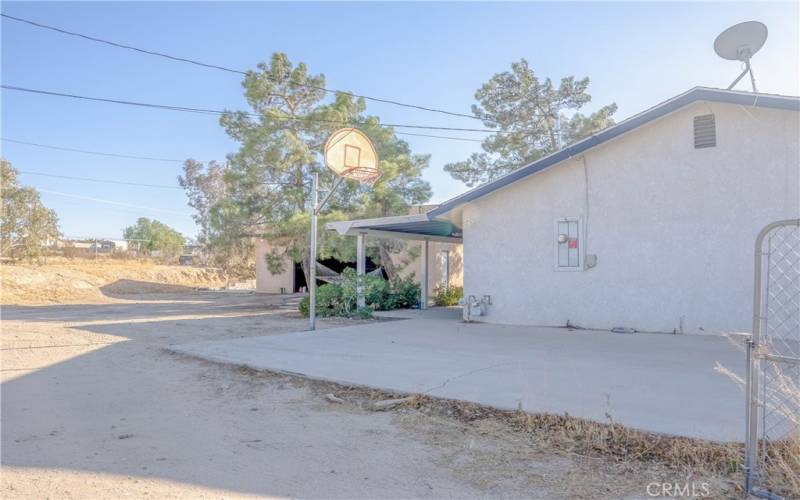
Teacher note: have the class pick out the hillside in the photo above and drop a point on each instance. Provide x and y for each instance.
(87, 280)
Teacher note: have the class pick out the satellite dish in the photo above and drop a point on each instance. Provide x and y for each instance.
(350, 154)
(740, 42)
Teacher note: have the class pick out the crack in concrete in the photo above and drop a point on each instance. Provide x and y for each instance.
(447, 381)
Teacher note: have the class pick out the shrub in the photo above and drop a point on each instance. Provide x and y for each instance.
(404, 292)
(329, 300)
(304, 305)
(340, 299)
(448, 296)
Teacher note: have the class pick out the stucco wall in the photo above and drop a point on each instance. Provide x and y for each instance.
(435, 264)
(673, 227)
(267, 282)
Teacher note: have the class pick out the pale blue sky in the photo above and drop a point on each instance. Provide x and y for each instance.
(636, 54)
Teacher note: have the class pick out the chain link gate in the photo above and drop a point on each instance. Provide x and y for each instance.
(773, 358)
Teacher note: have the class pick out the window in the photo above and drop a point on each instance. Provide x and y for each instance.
(568, 244)
(444, 269)
(705, 132)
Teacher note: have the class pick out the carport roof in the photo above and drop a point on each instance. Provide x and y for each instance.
(416, 227)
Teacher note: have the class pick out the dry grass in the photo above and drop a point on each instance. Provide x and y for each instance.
(779, 471)
(627, 449)
(608, 440)
(87, 280)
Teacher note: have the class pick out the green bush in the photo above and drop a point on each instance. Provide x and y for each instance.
(448, 296)
(340, 299)
(404, 293)
(329, 300)
(304, 305)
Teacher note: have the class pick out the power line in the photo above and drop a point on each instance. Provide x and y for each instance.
(105, 181)
(219, 112)
(111, 202)
(126, 183)
(114, 155)
(231, 70)
(440, 137)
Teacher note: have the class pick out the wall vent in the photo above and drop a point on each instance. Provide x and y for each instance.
(705, 132)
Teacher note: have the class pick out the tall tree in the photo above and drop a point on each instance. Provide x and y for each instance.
(26, 225)
(205, 187)
(156, 237)
(268, 183)
(527, 112)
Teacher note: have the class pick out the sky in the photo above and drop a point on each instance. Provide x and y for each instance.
(436, 55)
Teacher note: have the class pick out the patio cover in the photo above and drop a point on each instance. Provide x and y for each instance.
(412, 227)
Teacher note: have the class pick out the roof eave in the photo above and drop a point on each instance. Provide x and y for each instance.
(790, 103)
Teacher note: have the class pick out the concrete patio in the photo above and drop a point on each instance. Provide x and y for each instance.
(657, 382)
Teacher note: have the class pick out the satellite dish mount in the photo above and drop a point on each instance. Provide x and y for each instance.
(740, 42)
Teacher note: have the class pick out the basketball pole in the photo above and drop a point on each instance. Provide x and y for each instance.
(312, 273)
(312, 287)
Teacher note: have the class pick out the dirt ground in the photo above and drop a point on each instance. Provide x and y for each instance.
(94, 405)
(102, 280)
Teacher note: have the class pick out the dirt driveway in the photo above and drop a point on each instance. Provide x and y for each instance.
(94, 406)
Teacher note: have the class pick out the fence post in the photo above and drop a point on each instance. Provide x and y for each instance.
(751, 419)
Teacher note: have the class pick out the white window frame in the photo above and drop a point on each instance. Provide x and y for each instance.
(580, 266)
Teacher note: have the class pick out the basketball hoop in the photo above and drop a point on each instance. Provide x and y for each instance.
(351, 155)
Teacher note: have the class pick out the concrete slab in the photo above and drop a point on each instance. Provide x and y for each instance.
(657, 382)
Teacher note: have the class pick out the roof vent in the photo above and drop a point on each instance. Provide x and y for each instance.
(705, 132)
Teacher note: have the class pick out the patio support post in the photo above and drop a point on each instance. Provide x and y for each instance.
(361, 267)
(312, 254)
(423, 279)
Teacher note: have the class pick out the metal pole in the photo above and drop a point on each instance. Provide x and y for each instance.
(751, 409)
(751, 381)
(738, 78)
(312, 287)
(361, 266)
(752, 76)
(423, 282)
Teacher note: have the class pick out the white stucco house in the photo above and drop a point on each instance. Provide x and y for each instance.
(649, 224)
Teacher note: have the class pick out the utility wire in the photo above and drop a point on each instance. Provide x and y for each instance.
(114, 155)
(111, 202)
(219, 112)
(230, 70)
(105, 181)
(440, 137)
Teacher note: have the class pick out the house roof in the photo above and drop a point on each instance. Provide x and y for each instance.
(425, 225)
(774, 101)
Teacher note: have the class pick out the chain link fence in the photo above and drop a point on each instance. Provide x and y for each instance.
(772, 444)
